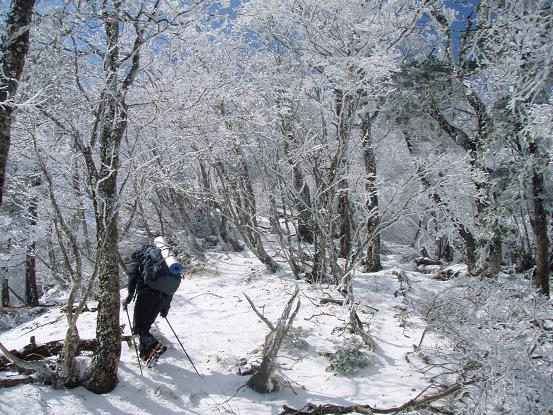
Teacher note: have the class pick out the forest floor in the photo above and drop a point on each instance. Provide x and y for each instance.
(222, 334)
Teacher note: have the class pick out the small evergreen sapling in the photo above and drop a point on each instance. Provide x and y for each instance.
(349, 357)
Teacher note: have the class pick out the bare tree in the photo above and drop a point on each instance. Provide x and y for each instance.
(263, 380)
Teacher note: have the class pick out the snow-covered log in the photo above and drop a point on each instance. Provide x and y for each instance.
(34, 352)
(421, 260)
(16, 381)
(420, 401)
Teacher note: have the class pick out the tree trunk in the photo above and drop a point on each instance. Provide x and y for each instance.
(490, 260)
(80, 216)
(302, 196)
(303, 206)
(31, 291)
(241, 207)
(102, 373)
(355, 323)
(317, 273)
(214, 206)
(541, 273)
(67, 369)
(225, 236)
(205, 181)
(346, 219)
(177, 200)
(551, 251)
(13, 50)
(470, 144)
(470, 248)
(252, 228)
(5, 293)
(144, 218)
(444, 251)
(372, 259)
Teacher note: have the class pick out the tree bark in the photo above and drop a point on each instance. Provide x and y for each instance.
(490, 262)
(541, 273)
(443, 249)
(303, 205)
(5, 293)
(372, 259)
(13, 50)
(101, 375)
(346, 219)
(551, 251)
(31, 291)
(225, 236)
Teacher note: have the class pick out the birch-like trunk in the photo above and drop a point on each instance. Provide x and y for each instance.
(372, 259)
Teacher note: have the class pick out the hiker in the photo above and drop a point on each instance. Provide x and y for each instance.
(152, 299)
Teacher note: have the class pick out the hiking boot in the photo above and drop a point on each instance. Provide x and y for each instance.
(152, 361)
(145, 357)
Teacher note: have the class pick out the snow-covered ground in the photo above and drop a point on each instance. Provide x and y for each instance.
(220, 331)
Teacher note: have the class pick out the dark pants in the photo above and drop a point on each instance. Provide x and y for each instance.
(146, 310)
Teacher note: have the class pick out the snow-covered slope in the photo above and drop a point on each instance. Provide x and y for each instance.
(220, 332)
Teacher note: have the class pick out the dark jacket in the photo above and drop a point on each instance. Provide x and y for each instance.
(136, 283)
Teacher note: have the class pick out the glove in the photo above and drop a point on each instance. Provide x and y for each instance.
(163, 313)
(126, 302)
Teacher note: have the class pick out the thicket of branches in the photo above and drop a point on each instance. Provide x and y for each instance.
(339, 122)
(500, 336)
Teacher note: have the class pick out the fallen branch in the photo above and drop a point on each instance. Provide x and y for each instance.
(318, 315)
(16, 295)
(329, 409)
(209, 293)
(43, 370)
(55, 320)
(331, 301)
(16, 381)
(427, 261)
(34, 352)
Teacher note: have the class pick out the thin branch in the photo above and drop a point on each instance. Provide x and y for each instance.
(261, 316)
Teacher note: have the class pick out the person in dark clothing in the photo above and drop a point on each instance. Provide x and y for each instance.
(149, 304)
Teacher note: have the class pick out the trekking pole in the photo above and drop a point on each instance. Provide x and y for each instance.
(134, 342)
(182, 347)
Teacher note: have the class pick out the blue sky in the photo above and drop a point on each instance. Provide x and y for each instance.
(465, 8)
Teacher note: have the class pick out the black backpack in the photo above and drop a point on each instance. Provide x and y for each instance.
(154, 271)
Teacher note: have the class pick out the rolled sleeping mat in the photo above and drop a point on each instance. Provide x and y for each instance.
(175, 267)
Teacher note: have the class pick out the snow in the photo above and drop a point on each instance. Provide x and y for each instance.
(219, 330)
